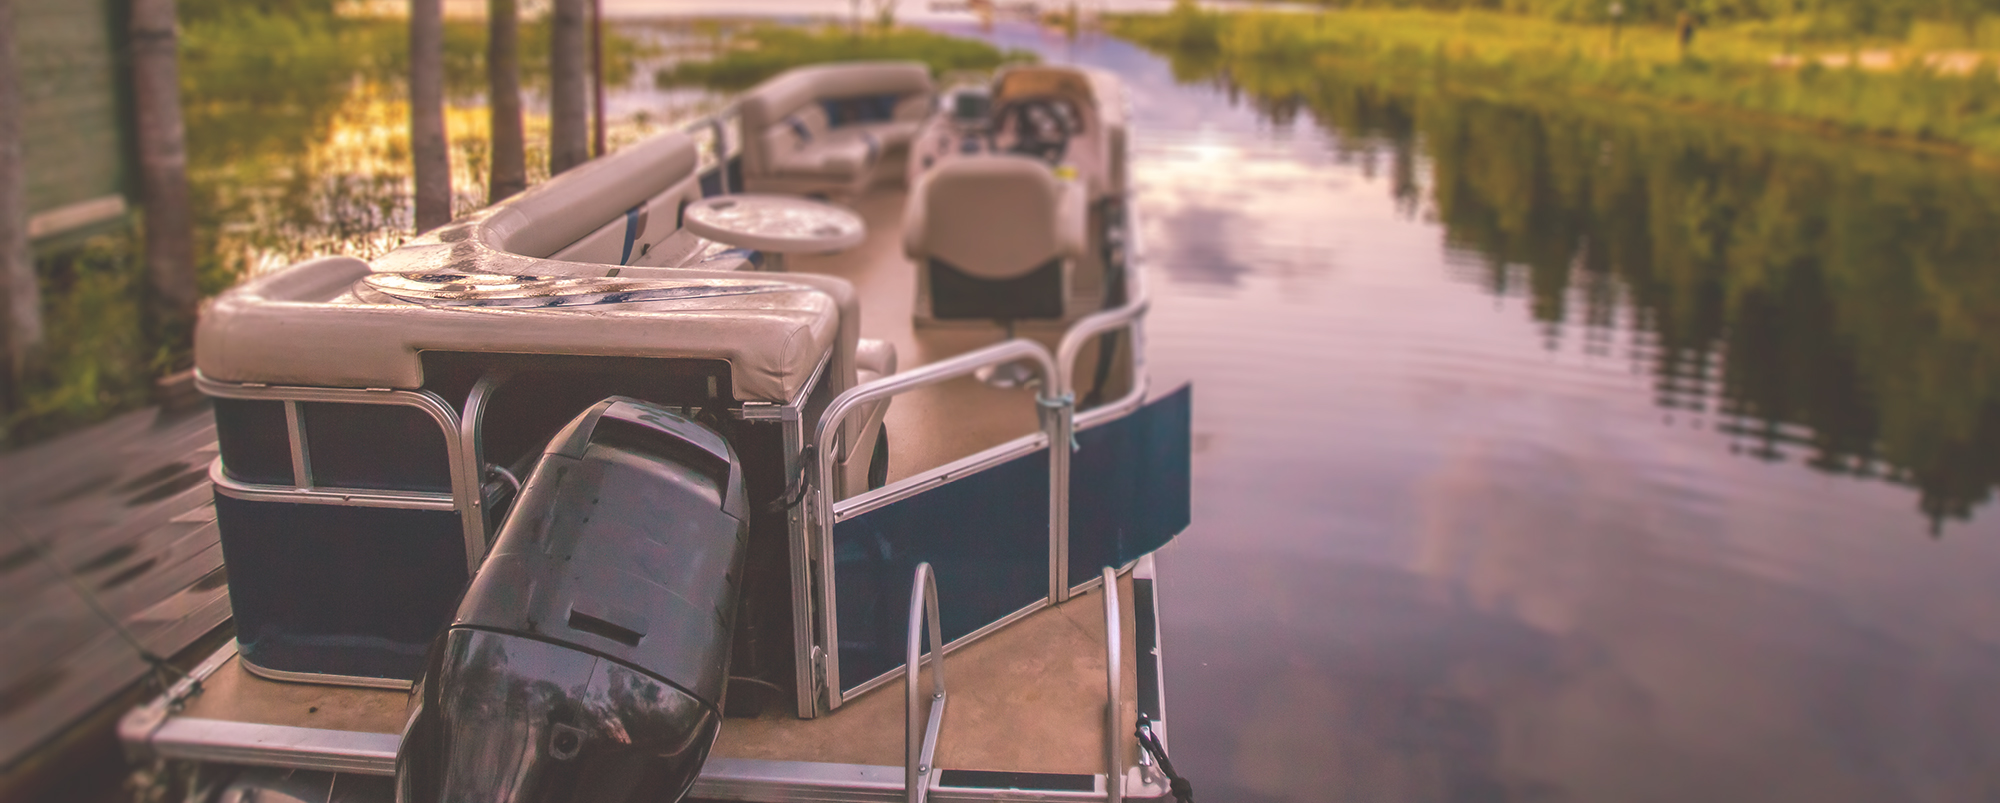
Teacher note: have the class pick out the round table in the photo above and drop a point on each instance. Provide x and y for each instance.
(775, 224)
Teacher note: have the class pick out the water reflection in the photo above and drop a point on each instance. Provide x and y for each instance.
(1833, 305)
(299, 139)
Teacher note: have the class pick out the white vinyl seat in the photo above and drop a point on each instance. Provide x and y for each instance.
(833, 129)
(994, 237)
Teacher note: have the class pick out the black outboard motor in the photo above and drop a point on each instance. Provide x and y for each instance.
(588, 659)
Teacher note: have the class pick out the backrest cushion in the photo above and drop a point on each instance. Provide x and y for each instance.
(565, 209)
(798, 92)
(993, 217)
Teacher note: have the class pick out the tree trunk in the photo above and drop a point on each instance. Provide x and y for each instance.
(428, 149)
(597, 77)
(163, 184)
(20, 295)
(569, 116)
(509, 172)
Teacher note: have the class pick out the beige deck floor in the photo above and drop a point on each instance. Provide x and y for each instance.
(235, 695)
(1028, 698)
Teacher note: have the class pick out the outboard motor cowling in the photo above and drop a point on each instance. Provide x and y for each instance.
(588, 659)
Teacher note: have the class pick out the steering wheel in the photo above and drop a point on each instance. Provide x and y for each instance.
(1042, 127)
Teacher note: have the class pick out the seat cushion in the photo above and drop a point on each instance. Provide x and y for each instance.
(840, 153)
(303, 326)
(994, 217)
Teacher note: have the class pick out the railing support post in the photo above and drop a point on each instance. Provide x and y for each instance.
(1059, 420)
(920, 755)
(1114, 643)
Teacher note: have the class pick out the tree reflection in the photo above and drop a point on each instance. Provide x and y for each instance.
(1827, 301)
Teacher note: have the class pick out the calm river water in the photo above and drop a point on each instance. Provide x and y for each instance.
(1558, 457)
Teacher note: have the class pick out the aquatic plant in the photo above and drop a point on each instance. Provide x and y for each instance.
(746, 56)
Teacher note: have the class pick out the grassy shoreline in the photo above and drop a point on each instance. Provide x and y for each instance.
(1736, 73)
(746, 55)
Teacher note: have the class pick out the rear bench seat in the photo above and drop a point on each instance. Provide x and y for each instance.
(832, 129)
(772, 340)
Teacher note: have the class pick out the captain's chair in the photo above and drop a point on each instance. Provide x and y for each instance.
(994, 238)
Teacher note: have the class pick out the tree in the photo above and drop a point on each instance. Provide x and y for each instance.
(428, 147)
(163, 184)
(20, 297)
(569, 115)
(509, 172)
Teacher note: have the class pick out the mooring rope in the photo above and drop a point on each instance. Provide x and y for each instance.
(1182, 790)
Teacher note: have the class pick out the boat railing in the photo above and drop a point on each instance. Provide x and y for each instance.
(920, 754)
(1080, 334)
(1114, 642)
(716, 126)
(1056, 428)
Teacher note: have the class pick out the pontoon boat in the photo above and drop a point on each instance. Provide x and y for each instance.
(676, 475)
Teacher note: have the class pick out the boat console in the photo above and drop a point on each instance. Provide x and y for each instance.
(563, 502)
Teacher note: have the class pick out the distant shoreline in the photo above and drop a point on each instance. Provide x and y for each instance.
(1935, 100)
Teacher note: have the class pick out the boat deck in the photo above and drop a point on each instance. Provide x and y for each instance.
(1028, 699)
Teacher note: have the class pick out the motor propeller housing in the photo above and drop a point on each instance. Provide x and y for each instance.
(588, 659)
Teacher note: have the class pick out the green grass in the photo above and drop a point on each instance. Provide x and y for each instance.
(99, 357)
(1728, 70)
(746, 57)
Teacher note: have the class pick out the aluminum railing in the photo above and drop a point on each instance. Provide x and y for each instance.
(920, 755)
(1056, 426)
(716, 127)
(1114, 643)
(1090, 326)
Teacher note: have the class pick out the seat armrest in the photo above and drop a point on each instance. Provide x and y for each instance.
(876, 356)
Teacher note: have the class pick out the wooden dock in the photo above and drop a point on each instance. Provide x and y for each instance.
(124, 508)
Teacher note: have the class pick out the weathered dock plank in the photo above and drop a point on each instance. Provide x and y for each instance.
(124, 510)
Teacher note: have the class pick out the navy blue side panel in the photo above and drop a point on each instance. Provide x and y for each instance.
(389, 447)
(859, 109)
(255, 441)
(338, 590)
(986, 536)
(711, 179)
(1128, 486)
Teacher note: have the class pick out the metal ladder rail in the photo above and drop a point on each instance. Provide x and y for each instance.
(1114, 642)
(919, 756)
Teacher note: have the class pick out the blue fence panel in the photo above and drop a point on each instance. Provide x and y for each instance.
(1129, 486)
(986, 536)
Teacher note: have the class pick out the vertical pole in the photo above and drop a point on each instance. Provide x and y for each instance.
(509, 172)
(569, 116)
(163, 185)
(431, 159)
(21, 314)
(597, 77)
(1114, 647)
